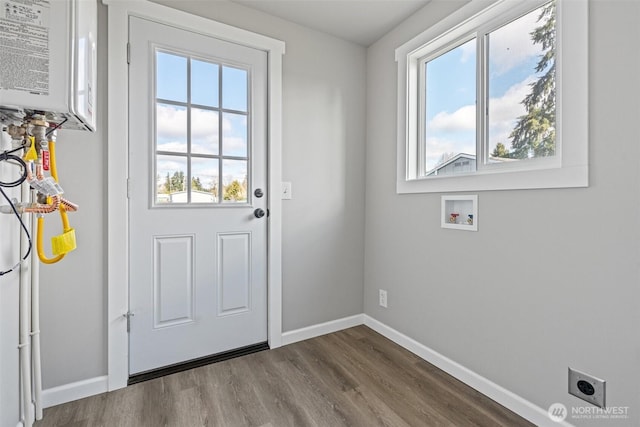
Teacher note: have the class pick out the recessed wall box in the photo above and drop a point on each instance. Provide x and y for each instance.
(460, 212)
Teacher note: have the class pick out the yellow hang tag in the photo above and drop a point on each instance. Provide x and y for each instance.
(64, 243)
(31, 152)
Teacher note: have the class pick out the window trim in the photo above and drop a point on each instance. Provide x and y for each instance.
(569, 168)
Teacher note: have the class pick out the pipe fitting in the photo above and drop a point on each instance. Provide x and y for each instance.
(16, 132)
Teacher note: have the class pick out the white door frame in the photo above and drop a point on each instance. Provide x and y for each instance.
(118, 159)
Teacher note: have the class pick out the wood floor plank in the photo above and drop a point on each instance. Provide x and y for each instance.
(436, 386)
(384, 383)
(350, 378)
(413, 388)
(373, 410)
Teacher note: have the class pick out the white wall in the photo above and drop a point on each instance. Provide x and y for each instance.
(324, 104)
(9, 287)
(550, 280)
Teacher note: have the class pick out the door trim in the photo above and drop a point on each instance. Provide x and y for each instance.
(118, 159)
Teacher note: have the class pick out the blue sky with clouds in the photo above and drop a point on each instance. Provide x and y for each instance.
(451, 90)
(171, 131)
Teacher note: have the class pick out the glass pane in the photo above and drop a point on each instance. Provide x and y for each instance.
(450, 125)
(234, 135)
(234, 173)
(204, 180)
(234, 89)
(204, 131)
(204, 83)
(171, 173)
(171, 128)
(522, 104)
(171, 77)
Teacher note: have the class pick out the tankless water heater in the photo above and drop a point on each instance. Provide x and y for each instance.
(48, 61)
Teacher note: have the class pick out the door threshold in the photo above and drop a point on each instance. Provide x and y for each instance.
(196, 363)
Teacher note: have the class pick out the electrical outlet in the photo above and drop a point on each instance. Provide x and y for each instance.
(587, 387)
(383, 298)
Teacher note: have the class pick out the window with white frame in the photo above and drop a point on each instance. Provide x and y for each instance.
(495, 97)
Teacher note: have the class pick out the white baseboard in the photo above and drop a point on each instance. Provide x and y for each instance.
(74, 391)
(506, 398)
(321, 329)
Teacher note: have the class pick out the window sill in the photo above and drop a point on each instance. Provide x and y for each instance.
(566, 177)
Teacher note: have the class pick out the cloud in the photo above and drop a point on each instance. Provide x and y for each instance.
(463, 119)
(170, 164)
(205, 170)
(172, 131)
(204, 124)
(468, 51)
(234, 167)
(234, 135)
(453, 132)
(172, 137)
(511, 45)
(504, 111)
(437, 146)
(174, 146)
(234, 146)
(171, 122)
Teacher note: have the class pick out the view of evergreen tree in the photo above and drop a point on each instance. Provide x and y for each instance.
(196, 184)
(535, 132)
(233, 191)
(500, 151)
(175, 182)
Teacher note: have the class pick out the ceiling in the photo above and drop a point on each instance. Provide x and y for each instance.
(360, 21)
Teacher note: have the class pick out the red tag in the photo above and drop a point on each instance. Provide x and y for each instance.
(45, 160)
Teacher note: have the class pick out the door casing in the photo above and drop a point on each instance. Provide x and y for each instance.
(117, 155)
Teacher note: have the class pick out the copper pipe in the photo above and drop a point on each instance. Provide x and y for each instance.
(39, 173)
(29, 171)
(68, 206)
(43, 209)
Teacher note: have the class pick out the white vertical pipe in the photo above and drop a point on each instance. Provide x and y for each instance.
(35, 327)
(25, 317)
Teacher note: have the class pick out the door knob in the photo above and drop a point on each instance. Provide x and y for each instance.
(259, 213)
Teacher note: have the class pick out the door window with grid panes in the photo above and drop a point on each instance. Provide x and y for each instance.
(202, 141)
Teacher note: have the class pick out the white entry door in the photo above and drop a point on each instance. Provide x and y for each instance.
(198, 195)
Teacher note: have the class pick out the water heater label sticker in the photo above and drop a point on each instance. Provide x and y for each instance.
(24, 46)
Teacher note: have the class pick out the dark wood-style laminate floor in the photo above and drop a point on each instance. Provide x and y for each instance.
(354, 377)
